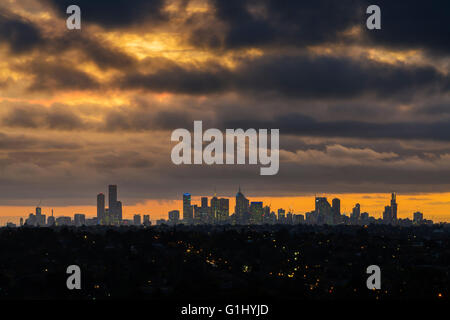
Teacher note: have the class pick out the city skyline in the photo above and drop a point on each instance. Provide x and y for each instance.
(217, 210)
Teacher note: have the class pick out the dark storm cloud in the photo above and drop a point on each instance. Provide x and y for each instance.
(103, 54)
(297, 124)
(137, 119)
(179, 79)
(113, 161)
(58, 76)
(19, 34)
(23, 36)
(115, 14)
(43, 158)
(58, 118)
(23, 142)
(250, 23)
(414, 24)
(406, 24)
(295, 76)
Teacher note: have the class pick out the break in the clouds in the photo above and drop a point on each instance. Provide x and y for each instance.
(358, 110)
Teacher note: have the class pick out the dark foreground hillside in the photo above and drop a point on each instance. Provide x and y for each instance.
(203, 262)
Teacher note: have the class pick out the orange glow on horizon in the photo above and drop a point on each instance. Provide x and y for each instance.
(434, 206)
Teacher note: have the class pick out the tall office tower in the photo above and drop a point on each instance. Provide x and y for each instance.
(323, 211)
(256, 212)
(187, 208)
(242, 204)
(224, 208)
(336, 206)
(394, 206)
(118, 211)
(214, 208)
(100, 208)
(204, 202)
(197, 212)
(418, 217)
(387, 214)
(79, 219)
(40, 218)
(147, 221)
(137, 220)
(356, 212)
(112, 202)
(281, 215)
(174, 215)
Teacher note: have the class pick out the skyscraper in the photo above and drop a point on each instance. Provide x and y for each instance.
(204, 202)
(394, 206)
(336, 206)
(100, 208)
(256, 212)
(118, 211)
(174, 216)
(112, 199)
(214, 208)
(187, 208)
(137, 219)
(242, 204)
(323, 211)
(224, 209)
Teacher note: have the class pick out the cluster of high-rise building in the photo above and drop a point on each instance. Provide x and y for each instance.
(113, 214)
(110, 216)
(255, 212)
(38, 219)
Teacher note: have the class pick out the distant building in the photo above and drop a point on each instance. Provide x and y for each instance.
(79, 219)
(323, 211)
(174, 216)
(394, 206)
(242, 204)
(137, 220)
(281, 215)
(188, 214)
(336, 207)
(101, 207)
(256, 212)
(356, 212)
(418, 217)
(147, 221)
(390, 212)
(63, 221)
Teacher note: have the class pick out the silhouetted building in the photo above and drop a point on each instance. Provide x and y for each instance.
(174, 216)
(187, 208)
(256, 212)
(100, 207)
(79, 219)
(323, 211)
(394, 206)
(336, 206)
(390, 212)
(356, 212)
(137, 220)
(242, 204)
(418, 217)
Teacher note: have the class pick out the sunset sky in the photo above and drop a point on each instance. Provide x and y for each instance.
(361, 113)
